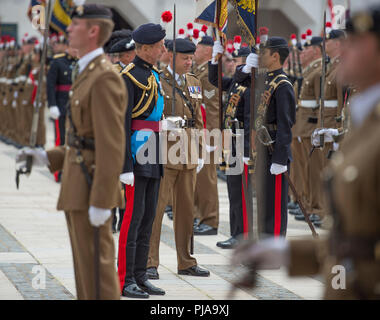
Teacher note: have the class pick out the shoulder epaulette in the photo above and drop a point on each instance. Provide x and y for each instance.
(156, 69)
(128, 68)
(59, 55)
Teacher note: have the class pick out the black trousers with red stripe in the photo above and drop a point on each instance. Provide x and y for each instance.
(238, 211)
(137, 228)
(59, 131)
(276, 201)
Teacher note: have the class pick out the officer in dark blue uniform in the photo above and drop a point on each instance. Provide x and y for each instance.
(142, 180)
(124, 50)
(236, 115)
(58, 86)
(276, 113)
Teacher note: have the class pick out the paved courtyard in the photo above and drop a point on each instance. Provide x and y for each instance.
(36, 261)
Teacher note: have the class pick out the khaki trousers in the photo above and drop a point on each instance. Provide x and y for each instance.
(82, 243)
(182, 183)
(206, 196)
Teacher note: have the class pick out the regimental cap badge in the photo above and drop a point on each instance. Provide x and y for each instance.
(79, 10)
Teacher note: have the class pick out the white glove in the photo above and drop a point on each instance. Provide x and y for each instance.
(276, 168)
(127, 178)
(98, 216)
(327, 132)
(270, 253)
(54, 112)
(245, 160)
(201, 163)
(39, 155)
(210, 149)
(251, 62)
(335, 146)
(216, 49)
(172, 123)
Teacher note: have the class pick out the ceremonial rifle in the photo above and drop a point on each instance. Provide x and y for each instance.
(27, 168)
(322, 114)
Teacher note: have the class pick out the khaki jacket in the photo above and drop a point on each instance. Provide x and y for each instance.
(311, 88)
(98, 102)
(210, 96)
(355, 172)
(191, 154)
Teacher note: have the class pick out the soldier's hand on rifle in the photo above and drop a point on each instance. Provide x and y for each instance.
(276, 168)
(127, 178)
(98, 216)
(217, 50)
(54, 112)
(251, 62)
(201, 163)
(271, 253)
(329, 133)
(39, 156)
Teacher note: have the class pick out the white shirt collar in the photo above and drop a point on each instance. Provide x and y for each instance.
(362, 104)
(176, 75)
(86, 59)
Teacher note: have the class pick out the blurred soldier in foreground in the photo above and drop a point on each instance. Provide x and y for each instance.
(93, 155)
(350, 258)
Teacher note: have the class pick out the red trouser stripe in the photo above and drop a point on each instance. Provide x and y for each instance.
(277, 205)
(129, 199)
(245, 214)
(57, 142)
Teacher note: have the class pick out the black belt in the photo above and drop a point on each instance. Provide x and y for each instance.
(271, 127)
(80, 142)
(189, 123)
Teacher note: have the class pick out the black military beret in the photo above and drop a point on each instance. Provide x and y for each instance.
(365, 21)
(276, 42)
(166, 42)
(315, 41)
(206, 41)
(116, 36)
(123, 45)
(149, 33)
(92, 11)
(335, 34)
(182, 46)
(242, 52)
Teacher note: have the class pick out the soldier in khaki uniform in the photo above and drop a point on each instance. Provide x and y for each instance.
(206, 189)
(180, 177)
(350, 258)
(306, 122)
(93, 154)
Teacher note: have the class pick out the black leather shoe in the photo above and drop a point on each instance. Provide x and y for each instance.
(204, 230)
(293, 205)
(227, 244)
(314, 218)
(295, 211)
(133, 291)
(151, 289)
(152, 273)
(300, 217)
(195, 271)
